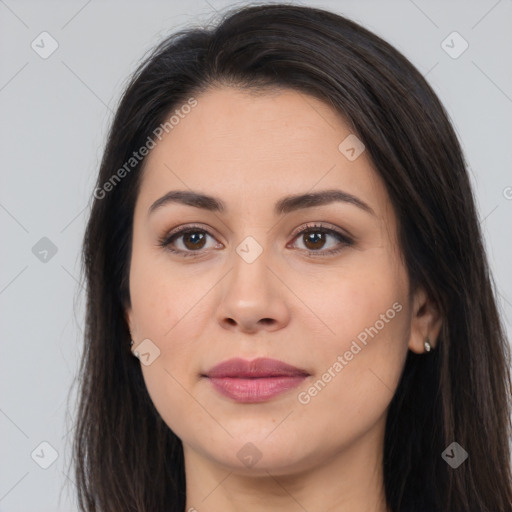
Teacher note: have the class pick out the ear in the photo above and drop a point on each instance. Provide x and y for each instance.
(426, 321)
(130, 321)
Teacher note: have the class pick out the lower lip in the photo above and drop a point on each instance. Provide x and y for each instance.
(256, 389)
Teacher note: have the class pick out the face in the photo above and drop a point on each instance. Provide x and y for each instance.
(318, 285)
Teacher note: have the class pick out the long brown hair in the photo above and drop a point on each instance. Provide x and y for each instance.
(126, 457)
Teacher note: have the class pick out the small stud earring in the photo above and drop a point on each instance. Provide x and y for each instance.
(428, 347)
(134, 352)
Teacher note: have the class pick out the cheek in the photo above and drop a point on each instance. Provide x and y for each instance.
(364, 294)
(361, 348)
(165, 299)
(169, 310)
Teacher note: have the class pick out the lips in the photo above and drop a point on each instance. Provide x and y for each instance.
(254, 381)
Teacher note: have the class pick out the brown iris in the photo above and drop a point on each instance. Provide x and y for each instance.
(317, 238)
(197, 240)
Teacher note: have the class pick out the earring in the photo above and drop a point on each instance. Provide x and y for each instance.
(428, 346)
(134, 352)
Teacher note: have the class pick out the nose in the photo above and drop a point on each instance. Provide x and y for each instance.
(253, 298)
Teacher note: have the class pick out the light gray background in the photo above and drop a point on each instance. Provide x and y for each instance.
(55, 113)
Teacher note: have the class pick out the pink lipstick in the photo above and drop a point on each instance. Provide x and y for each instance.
(254, 381)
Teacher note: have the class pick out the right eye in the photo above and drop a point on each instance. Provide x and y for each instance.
(192, 239)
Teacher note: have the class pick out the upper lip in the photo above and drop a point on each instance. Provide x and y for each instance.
(257, 368)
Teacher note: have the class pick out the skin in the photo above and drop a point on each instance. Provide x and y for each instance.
(250, 151)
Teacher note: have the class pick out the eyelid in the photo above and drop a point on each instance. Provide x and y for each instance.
(188, 227)
(327, 226)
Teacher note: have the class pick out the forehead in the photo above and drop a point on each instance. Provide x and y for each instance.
(238, 145)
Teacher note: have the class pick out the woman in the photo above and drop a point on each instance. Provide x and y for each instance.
(289, 305)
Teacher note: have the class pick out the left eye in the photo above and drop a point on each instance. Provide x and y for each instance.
(193, 240)
(315, 237)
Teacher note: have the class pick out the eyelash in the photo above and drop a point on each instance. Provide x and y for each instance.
(167, 239)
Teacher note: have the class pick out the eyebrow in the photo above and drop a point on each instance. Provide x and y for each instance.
(285, 205)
